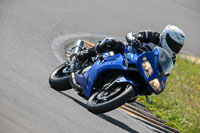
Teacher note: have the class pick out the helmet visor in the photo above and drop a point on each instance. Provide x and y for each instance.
(173, 45)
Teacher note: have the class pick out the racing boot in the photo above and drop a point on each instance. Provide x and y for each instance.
(86, 54)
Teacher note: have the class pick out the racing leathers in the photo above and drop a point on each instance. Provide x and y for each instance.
(147, 40)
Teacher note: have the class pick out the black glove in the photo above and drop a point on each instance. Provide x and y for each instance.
(136, 42)
(134, 39)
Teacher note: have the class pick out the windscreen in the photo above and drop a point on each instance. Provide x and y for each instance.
(165, 62)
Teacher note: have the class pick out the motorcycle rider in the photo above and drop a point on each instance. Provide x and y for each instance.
(171, 39)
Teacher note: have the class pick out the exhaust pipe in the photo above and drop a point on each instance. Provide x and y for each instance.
(73, 83)
(78, 46)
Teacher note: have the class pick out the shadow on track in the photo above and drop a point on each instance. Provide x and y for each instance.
(117, 123)
(74, 99)
(104, 116)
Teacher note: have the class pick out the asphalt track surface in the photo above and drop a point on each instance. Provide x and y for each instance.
(27, 28)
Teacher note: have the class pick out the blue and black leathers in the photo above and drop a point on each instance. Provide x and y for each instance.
(149, 40)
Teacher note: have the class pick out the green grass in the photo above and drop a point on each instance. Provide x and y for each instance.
(179, 104)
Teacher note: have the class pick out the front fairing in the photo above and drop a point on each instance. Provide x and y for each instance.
(153, 58)
(120, 62)
(88, 79)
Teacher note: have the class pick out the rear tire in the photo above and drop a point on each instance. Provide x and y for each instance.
(126, 92)
(59, 80)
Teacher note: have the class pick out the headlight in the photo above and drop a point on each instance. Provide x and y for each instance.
(155, 84)
(148, 71)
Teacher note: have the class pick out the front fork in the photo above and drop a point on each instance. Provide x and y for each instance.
(123, 79)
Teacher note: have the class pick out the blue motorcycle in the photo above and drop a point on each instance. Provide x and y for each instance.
(110, 80)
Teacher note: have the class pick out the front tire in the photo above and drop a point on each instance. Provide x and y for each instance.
(59, 78)
(97, 105)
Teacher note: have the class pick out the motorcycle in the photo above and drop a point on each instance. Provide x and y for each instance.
(109, 80)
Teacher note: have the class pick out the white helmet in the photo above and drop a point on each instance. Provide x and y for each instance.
(172, 39)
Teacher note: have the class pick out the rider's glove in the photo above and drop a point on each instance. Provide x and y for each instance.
(134, 39)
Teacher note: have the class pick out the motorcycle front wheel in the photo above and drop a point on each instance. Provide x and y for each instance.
(106, 100)
(59, 78)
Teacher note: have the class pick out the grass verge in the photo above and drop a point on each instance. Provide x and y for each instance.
(179, 104)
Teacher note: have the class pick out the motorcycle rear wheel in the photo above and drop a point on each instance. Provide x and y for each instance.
(59, 78)
(120, 95)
